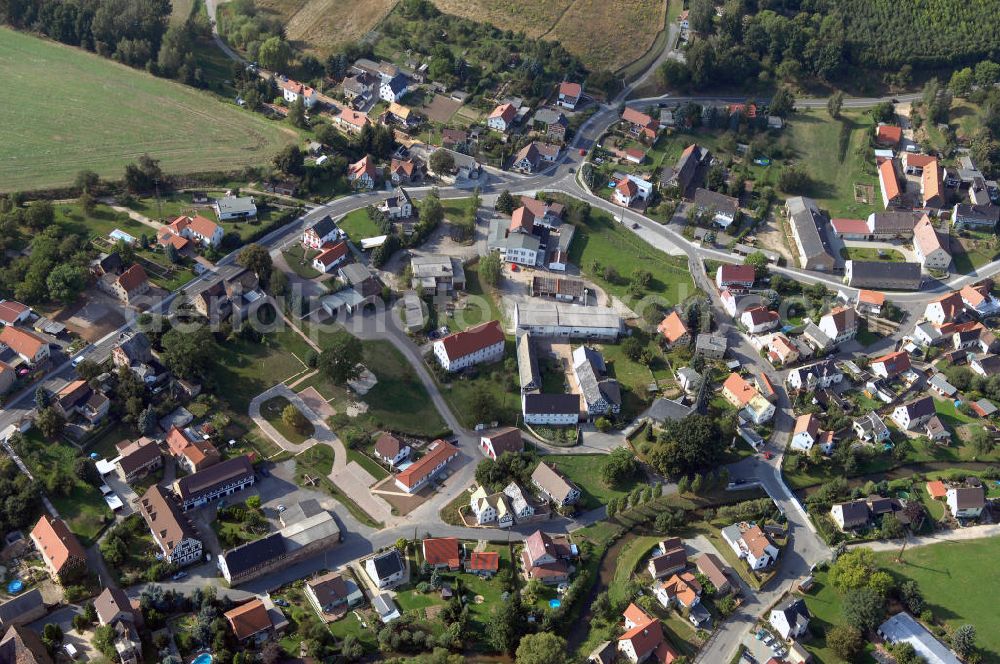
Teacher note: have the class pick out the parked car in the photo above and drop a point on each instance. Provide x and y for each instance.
(179, 576)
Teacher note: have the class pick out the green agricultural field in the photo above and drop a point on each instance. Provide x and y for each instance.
(67, 110)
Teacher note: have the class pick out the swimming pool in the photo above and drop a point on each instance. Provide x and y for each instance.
(15, 586)
(555, 603)
(203, 658)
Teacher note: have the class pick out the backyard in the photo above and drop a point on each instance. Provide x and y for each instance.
(273, 411)
(825, 606)
(358, 225)
(585, 470)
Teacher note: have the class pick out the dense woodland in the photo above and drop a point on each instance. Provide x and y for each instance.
(832, 40)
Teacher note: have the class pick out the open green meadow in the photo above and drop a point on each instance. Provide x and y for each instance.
(67, 110)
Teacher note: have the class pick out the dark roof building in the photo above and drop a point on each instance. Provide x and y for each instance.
(222, 479)
(882, 275)
(808, 225)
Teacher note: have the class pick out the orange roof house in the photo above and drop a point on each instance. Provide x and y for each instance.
(439, 454)
(60, 549)
(249, 620)
(641, 124)
(937, 490)
(483, 562)
(442, 552)
(30, 347)
(871, 298)
(738, 391)
(888, 181)
(522, 220)
(673, 329)
(888, 135)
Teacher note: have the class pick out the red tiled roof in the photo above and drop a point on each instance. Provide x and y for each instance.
(568, 89)
(871, 297)
(248, 619)
(388, 446)
(931, 181)
(849, 226)
(975, 295)
(58, 545)
(888, 134)
(951, 304)
(168, 237)
(926, 237)
(21, 341)
(483, 561)
(361, 167)
(637, 117)
(438, 452)
(522, 219)
(737, 274)
(202, 226)
(672, 327)
(645, 638)
(937, 489)
(741, 390)
(627, 187)
(352, 117)
(807, 423)
(473, 339)
(635, 615)
(132, 278)
(441, 551)
(10, 310)
(296, 87)
(332, 254)
(505, 111)
(760, 315)
(895, 363)
(887, 175)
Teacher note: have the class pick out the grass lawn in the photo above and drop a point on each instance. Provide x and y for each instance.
(825, 606)
(369, 464)
(272, 410)
(949, 415)
(481, 303)
(116, 114)
(300, 260)
(319, 457)
(358, 225)
(350, 624)
(584, 470)
(834, 164)
(604, 242)
(870, 254)
(460, 393)
(867, 338)
(631, 557)
(634, 376)
(83, 509)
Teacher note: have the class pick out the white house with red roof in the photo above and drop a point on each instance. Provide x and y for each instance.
(840, 324)
(439, 454)
(891, 365)
(979, 300)
(350, 121)
(930, 246)
(945, 309)
(759, 319)
(643, 639)
(132, 283)
(640, 124)
(569, 95)
(751, 543)
(735, 277)
(12, 313)
(632, 188)
(330, 257)
(29, 347)
(196, 229)
(293, 91)
(476, 345)
(363, 174)
(502, 117)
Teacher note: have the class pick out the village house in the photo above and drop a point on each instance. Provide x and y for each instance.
(551, 409)
(820, 375)
(668, 558)
(331, 594)
(551, 122)
(250, 622)
(227, 208)
(438, 455)
(442, 553)
(790, 618)
(888, 182)
(871, 428)
(930, 246)
(806, 432)
(569, 95)
(966, 502)
(640, 125)
(292, 91)
(78, 398)
(681, 589)
(331, 257)
(547, 558)
(138, 458)
(479, 344)
(393, 88)
(913, 415)
(61, 551)
(673, 330)
(491, 508)
(397, 206)
(215, 482)
(391, 450)
(713, 569)
(902, 628)
(554, 486)
(986, 366)
(519, 501)
(965, 215)
(172, 530)
(945, 309)
(533, 155)
(870, 302)
(29, 348)
(195, 229)
(850, 515)
(890, 365)
(114, 610)
(498, 441)
(13, 312)
(781, 349)
(644, 639)
(321, 233)
(362, 173)
(752, 544)
(840, 324)
(808, 225)
(689, 379)
(735, 278)
(978, 299)
(883, 274)
(724, 209)
(405, 171)
(632, 189)
(386, 569)
(689, 172)
(759, 319)
(350, 121)
(193, 453)
(130, 285)
(502, 118)
(483, 563)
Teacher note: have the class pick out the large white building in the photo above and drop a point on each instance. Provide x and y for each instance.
(476, 345)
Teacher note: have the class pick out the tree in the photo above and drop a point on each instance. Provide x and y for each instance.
(688, 445)
(783, 102)
(506, 625)
(104, 641)
(864, 609)
(697, 484)
(910, 595)
(52, 635)
(961, 82)
(794, 180)
(853, 569)
(884, 111)
(257, 259)
(297, 113)
(294, 418)
(86, 471)
(701, 16)
(491, 268)
(341, 360)
(39, 215)
(170, 251)
(542, 648)
(143, 176)
(273, 54)
(188, 353)
(483, 406)
(505, 202)
(673, 74)
(759, 262)
(619, 467)
(87, 202)
(65, 282)
(290, 161)
(963, 641)
(834, 104)
(277, 283)
(50, 422)
(891, 527)
(845, 640)
(982, 441)
(987, 73)
(41, 398)
(442, 162)
(90, 182)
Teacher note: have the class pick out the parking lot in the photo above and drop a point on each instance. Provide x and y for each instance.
(764, 649)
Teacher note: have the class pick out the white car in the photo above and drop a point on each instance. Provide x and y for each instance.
(77, 360)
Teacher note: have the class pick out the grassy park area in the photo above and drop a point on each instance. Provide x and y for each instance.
(117, 113)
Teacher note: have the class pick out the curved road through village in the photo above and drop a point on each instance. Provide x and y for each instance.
(805, 547)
